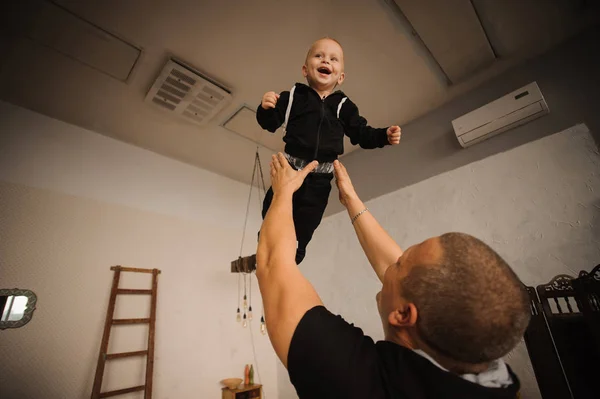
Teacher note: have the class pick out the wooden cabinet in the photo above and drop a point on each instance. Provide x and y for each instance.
(563, 336)
(243, 392)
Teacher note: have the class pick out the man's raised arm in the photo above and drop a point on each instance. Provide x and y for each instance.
(381, 250)
(286, 293)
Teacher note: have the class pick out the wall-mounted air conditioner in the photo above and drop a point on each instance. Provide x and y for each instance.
(512, 110)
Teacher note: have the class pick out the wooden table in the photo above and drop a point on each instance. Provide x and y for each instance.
(243, 392)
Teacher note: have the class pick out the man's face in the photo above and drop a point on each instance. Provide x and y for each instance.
(324, 66)
(390, 299)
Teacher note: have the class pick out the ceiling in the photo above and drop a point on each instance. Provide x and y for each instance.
(403, 59)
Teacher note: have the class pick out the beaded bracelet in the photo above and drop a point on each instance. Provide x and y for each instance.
(358, 214)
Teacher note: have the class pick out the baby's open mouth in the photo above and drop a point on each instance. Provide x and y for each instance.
(324, 70)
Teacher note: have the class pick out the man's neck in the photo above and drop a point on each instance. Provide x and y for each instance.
(449, 364)
(457, 367)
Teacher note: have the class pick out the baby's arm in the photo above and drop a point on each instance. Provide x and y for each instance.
(271, 118)
(356, 127)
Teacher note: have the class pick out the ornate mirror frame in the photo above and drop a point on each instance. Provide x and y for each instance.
(27, 314)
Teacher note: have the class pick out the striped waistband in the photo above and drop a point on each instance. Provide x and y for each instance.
(299, 164)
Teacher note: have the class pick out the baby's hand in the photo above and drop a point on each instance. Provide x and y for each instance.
(269, 100)
(393, 134)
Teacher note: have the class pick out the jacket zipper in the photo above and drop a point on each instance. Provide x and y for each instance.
(319, 128)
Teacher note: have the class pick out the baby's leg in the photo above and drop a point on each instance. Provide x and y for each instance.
(309, 205)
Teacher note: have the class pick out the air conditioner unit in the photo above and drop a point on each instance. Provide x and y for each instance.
(510, 111)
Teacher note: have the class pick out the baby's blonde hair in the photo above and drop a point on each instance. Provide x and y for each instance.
(318, 40)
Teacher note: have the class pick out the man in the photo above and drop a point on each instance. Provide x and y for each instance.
(450, 309)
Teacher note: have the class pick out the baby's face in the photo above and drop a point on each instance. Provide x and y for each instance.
(324, 66)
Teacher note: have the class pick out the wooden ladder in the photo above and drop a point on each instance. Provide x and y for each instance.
(110, 321)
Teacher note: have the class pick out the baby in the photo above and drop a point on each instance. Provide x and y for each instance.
(316, 119)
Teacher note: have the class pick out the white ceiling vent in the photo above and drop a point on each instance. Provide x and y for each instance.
(185, 92)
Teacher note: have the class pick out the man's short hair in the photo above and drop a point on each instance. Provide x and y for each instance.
(472, 307)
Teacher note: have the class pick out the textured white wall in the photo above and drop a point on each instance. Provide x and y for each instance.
(73, 203)
(538, 205)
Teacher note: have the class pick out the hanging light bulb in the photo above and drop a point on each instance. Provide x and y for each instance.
(238, 316)
(263, 326)
(245, 322)
(250, 313)
(245, 302)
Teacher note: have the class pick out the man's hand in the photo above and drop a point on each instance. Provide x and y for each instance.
(393, 134)
(269, 100)
(284, 179)
(343, 183)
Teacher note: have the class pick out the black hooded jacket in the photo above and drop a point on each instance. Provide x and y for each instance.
(314, 130)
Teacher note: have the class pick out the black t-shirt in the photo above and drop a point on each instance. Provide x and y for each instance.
(329, 358)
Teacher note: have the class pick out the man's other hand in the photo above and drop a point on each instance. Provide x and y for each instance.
(343, 183)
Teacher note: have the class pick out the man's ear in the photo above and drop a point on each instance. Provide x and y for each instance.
(341, 78)
(405, 316)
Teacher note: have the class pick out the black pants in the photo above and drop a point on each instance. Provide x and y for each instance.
(308, 205)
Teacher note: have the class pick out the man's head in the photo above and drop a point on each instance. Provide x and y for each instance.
(324, 65)
(456, 298)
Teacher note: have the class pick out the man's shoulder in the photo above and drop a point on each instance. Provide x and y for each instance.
(415, 375)
(393, 353)
(325, 350)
